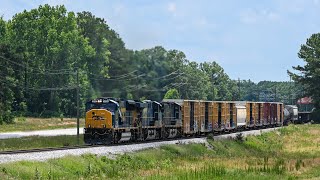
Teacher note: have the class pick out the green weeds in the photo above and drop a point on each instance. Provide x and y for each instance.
(32, 124)
(33, 142)
(273, 155)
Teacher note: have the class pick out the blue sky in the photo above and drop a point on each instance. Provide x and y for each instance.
(250, 39)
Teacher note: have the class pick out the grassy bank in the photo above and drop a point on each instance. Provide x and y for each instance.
(290, 153)
(34, 142)
(32, 124)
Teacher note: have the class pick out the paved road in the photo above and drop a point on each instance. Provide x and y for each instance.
(54, 132)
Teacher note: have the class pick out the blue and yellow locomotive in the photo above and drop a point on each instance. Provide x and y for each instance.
(110, 120)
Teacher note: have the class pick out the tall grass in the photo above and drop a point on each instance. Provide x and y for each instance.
(171, 161)
(258, 157)
(32, 124)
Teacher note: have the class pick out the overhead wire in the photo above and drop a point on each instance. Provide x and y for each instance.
(123, 77)
(113, 77)
(106, 79)
(166, 75)
(141, 75)
(38, 88)
(47, 71)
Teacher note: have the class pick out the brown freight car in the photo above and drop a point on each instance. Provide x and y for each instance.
(251, 114)
(190, 115)
(266, 114)
(273, 113)
(206, 116)
(259, 114)
(231, 115)
(219, 115)
(279, 121)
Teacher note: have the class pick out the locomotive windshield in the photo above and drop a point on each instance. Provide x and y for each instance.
(102, 104)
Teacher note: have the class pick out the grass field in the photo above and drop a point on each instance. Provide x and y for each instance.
(31, 124)
(33, 142)
(290, 153)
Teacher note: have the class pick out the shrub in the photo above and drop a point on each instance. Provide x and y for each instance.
(6, 117)
(239, 137)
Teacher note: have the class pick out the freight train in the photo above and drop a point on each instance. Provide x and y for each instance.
(110, 120)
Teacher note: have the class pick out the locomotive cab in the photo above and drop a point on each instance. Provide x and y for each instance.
(102, 115)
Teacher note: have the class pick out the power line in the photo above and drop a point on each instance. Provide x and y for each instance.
(175, 72)
(53, 89)
(51, 71)
(122, 77)
(38, 88)
(114, 77)
(104, 79)
(144, 90)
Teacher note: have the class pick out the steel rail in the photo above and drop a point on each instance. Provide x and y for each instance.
(216, 134)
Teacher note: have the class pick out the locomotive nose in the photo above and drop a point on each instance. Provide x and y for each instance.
(99, 118)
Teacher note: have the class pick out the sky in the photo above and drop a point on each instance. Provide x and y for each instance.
(250, 39)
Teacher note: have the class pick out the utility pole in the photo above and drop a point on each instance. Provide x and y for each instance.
(275, 94)
(291, 95)
(239, 89)
(26, 80)
(214, 96)
(214, 77)
(78, 111)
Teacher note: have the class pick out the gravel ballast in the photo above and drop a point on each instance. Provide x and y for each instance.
(114, 150)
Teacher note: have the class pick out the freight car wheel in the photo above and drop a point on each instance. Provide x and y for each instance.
(145, 134)
(134, 135)
(116, 137)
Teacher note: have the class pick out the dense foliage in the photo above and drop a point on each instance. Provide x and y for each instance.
(45, 53)
(287, 92)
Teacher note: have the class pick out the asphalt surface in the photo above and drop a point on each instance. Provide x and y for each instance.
(54, 132)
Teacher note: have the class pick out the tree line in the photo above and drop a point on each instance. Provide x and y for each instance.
(45, 53)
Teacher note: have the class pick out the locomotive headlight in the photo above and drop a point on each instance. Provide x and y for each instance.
(89, 126)
(103, 125)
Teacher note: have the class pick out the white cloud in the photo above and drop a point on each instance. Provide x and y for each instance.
(252, 16)
(273, 16)
(203, 22)
(172, 7)
(249, 17)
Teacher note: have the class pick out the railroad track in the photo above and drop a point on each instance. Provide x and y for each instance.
(21, 151)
